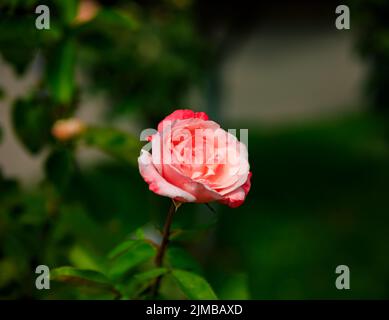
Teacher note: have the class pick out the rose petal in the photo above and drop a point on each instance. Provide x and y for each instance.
(183, 114)
(157, 183)
(202, 193)
(247, 186)
(235, 198)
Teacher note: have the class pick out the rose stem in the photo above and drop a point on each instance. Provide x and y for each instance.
(165, 241)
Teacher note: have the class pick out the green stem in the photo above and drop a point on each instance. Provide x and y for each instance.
(165, 241)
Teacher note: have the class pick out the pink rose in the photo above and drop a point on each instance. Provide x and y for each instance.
(194, 160)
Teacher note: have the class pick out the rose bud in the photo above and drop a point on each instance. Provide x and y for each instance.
(67, 129)
(87, 10)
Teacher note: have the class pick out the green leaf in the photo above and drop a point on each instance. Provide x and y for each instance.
(178, 258)
(141, 281)
(60, 167)
(134, 254)
(122, 247)
(81, 277)
(32, 123)
(127, 244)
(34, 210)
(116, 143)
(19, 45)
(117, 18)
(193, 286)
(140, 234)
(61, 71)
(68, 10)
(84, 259)
(150, 274)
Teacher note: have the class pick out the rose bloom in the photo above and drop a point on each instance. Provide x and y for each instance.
(194, 160)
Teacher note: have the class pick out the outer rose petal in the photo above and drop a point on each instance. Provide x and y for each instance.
(157, 183)
(183, 114)
(202, 193)
(247, 186)
(236, 198)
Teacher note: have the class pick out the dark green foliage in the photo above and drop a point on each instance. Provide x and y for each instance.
(60, 71)
(143, 58)
(32, 121)
(194, 286)
(113, 142)
(60, 168)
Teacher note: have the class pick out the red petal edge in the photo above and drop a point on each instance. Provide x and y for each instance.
(183, 114)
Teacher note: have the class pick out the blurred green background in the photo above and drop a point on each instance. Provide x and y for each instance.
(315, 100)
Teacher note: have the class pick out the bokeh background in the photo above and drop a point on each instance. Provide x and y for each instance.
(314, 98)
